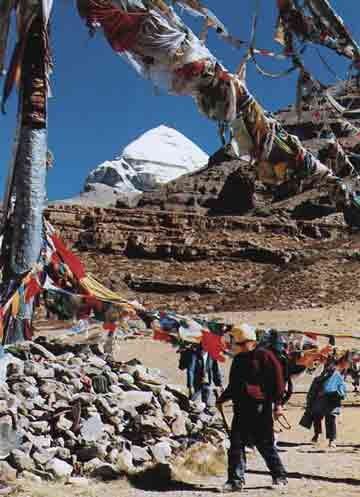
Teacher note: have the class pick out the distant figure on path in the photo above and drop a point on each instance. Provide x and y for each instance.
(203, 374)
(324, 399)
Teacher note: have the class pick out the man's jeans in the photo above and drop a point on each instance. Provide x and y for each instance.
(330, 426)
(237, 455)
(207, 395)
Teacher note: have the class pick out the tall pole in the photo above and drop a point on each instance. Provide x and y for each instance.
(27, 191)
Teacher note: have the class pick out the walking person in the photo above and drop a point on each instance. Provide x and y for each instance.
(354, 372)
(330, 392)
(256, 388)
(203, 374)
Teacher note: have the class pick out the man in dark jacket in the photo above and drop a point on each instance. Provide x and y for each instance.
(256, 388)
(203, 373)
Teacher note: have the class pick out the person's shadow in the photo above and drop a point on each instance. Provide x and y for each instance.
(292, 444)
(300, 476)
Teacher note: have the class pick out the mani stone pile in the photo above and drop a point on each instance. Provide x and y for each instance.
(79, 413)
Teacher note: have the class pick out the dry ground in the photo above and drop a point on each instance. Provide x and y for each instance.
(313, 471)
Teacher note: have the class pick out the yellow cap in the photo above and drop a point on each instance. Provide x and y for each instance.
(243, 333)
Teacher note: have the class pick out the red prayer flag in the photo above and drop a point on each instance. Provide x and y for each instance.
(69, 258)
(121, 28)
(32, 289)
(214, 345)
(162, 336)
(109, 327)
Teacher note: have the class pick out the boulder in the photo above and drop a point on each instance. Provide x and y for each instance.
(104, 407)
(140, 454)
(113, 456)
(92, 429)
(91, 465)
(145, 376)
(21, 461)
(10, 438)
(124, 461)
(40, 442)
(126, 379)
(60, 469)
(154, 425)
(131, 400)
(99, 469)
(63, 424)
(86, 454)
(7, 472)
(63, 453)
(42, 457)
(171, 409)
(178, 427)
(40, 427)
(50, 387)
(29, 476)
(161, 452)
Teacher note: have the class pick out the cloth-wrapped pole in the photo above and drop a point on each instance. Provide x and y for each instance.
(6, 7)
(23, 238)
(30, 187)
(29, 183)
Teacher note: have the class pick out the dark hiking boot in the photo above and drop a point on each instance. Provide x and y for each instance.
(279, 483)
(232, 486)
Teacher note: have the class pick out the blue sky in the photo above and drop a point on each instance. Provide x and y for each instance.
(100, 104)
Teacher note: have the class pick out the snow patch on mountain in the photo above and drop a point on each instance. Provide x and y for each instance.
(157, 157)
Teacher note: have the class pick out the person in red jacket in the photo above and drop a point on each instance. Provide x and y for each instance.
(256, 388)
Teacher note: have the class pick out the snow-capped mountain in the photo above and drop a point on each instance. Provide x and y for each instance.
(157, 157)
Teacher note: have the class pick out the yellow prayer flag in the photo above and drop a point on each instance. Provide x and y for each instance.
(15, 305)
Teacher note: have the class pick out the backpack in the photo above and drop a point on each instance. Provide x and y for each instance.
(185, 359)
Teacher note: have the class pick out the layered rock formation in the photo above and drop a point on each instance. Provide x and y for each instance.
(192, 262)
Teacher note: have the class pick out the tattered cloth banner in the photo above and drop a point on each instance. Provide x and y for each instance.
(69, 258)
(319, 25)
(61, 272)
(169, 327)
(178, 330)
(215, 339)
(56, 251)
